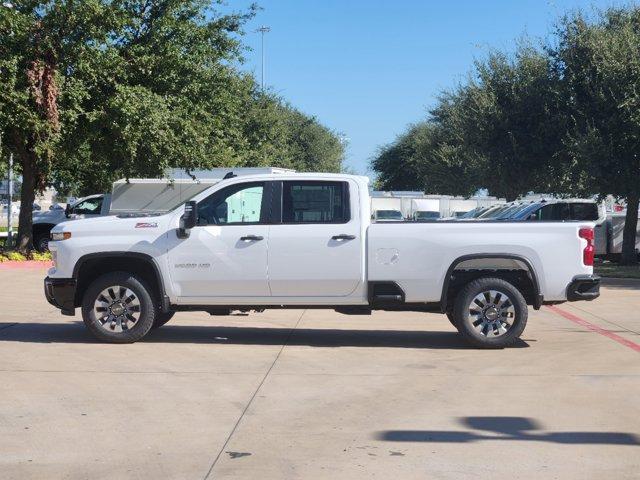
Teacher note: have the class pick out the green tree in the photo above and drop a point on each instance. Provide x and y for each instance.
(504, 121)
(424, 159)
(600, 65)
(279, 135)
(499, 130)
(128, 86)
(97, 90)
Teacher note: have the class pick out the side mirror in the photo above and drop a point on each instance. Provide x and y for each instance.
(67, 210)
(189, 219)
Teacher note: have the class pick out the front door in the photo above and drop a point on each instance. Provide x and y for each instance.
(225, 257)
(316, 249)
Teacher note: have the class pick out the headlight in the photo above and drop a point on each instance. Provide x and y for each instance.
(59, 236)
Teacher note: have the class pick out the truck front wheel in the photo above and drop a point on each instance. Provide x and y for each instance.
(118, 308)
(490, 313)
(162, 318)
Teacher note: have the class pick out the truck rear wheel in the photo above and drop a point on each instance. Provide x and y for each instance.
(490, 313)
(118, 308)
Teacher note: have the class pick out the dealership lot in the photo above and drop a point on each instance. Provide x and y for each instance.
(316, 394)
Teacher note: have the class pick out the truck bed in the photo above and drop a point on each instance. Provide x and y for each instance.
(418, 256)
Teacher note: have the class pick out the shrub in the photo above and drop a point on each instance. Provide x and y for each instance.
(15, 256)
(41, 257)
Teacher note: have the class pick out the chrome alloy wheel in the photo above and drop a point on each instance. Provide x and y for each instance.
(491, 313)
(117, 308)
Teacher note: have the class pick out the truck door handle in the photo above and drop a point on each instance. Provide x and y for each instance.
(251, 238)
(343, 237)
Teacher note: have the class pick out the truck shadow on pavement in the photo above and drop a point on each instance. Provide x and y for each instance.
(75, 332)
(510, 429)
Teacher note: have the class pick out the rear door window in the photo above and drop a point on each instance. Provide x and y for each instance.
(315, 202)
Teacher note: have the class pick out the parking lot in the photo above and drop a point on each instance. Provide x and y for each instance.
(316, 394)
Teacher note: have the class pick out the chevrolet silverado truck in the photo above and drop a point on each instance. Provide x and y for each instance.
(302, 240)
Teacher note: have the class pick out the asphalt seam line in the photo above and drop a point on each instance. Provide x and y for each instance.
(235, 427)
(595, 328)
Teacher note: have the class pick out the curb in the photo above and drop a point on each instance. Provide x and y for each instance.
(25, 265)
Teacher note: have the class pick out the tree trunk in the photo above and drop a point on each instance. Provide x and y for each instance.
(27, 197)
(629, 255)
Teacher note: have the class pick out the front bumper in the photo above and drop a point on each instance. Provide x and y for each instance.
(583, 287)
(61, 293)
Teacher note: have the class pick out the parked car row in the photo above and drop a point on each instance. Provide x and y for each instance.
(543, 210)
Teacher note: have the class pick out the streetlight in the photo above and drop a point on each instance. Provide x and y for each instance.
(263, 29)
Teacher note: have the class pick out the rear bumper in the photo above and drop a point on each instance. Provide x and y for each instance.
(61, 293)
(583, 287)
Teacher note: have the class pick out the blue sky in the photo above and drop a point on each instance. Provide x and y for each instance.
(367, 69)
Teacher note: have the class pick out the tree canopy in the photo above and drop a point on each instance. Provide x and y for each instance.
(561, 117)
(94, 90)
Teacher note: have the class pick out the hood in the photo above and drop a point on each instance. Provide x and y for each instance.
(48, 216)
(115, 225)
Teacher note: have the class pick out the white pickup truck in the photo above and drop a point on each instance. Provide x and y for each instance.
(306, 241)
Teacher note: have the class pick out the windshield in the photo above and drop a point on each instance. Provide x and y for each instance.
(508, 212)
(388, 215)
(473, 213)
(493, 212)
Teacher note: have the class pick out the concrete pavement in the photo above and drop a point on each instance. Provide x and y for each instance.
(316, 394)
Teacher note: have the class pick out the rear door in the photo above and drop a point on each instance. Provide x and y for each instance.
(315, 249)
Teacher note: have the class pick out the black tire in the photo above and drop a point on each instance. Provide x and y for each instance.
(451, 318)
(41, 243)
(516, 304)
(146, 310)
(162, 318)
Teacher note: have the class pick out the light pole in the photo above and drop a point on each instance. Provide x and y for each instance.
(263, 29)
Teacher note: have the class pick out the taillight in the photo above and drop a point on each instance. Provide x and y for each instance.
(590, 250)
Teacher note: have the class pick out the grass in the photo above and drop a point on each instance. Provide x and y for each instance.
(610, 269)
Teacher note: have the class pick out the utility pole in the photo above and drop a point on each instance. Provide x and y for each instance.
(263, 29)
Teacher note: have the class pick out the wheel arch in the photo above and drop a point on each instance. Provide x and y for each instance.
(536, 296)
(91, 266)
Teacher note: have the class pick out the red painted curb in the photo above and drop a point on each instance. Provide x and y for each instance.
(26, 265)
(595, 328)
